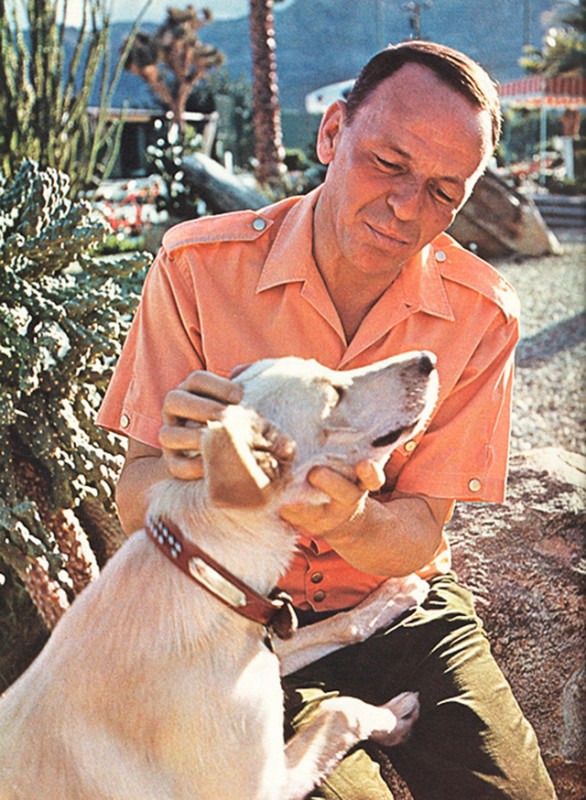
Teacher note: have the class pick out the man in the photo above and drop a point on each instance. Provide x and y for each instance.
(359, 270)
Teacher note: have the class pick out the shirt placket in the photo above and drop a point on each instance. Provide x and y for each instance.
(317, 577)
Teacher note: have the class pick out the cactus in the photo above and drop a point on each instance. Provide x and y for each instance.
(63, 314)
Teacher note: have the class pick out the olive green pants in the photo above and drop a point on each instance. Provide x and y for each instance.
(471, 741)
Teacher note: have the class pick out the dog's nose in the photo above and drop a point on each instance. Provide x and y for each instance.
(427, 362)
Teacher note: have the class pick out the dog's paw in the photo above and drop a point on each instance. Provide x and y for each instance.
(406, 592)
(405, 709)
(383, 606)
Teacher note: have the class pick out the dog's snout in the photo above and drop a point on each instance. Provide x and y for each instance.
(427, 362)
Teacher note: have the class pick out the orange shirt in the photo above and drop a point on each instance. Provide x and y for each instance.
(230, 289)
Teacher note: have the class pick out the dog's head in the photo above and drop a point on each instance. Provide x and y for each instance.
(296, 413)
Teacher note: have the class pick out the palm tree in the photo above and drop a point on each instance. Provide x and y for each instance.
(564, 47)
(269, 151)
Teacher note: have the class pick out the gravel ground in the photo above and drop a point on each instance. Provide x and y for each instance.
(550, 387)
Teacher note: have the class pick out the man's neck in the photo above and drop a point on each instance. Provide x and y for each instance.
(353, 291)
(352, 300)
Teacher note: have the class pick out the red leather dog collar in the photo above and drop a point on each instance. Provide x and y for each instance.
(275, 613)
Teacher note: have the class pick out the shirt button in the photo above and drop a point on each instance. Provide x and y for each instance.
(410, 445)
(124, 421)
(440, 256)
(259, 224)
(317, 577)
(474, 485)
(319, 596)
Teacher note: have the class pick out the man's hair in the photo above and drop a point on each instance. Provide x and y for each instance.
(454, 68)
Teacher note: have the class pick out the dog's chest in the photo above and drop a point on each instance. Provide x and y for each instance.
(235, 707)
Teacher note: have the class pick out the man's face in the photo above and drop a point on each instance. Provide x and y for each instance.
(400, 170)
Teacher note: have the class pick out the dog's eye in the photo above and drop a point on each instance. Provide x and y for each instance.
(388, 438)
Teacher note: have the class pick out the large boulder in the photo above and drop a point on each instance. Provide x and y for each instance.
(525, 563)
(497, 222)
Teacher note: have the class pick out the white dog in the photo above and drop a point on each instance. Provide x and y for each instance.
(159, 685)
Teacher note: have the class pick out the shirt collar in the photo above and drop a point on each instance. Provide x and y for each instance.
(422, 285)
(290, 260)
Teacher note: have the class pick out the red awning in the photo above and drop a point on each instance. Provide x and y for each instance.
(566, 91)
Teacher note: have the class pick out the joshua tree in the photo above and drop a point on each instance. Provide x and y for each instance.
(173, 59)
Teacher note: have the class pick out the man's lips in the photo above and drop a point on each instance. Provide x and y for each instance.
(386, 235)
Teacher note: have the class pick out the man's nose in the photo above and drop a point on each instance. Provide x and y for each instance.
(405, 199)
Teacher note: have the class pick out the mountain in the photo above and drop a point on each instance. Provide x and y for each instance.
(324, 41)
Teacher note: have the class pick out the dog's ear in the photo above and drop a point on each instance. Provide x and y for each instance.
(244, 457)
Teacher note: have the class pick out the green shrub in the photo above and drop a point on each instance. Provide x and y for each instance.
(44, 96)
(63, 314)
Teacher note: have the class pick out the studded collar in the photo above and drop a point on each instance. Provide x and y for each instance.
(275, 613)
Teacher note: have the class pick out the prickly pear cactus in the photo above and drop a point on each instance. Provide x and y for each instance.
(64, 313)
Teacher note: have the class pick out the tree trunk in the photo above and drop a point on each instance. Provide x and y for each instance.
(219, 189)
(269, 149)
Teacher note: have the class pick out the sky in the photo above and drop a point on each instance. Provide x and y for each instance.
(128, 9)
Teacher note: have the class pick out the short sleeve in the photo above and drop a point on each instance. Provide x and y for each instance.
(463, 454)
(162, 348)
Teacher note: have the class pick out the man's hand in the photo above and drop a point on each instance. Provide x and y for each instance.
(201, 397)
(392, 538)
(347, 499)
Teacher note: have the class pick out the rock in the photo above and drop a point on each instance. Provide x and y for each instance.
(498, 221)
(524, 561)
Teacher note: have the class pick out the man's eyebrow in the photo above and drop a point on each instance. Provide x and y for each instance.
(395, 149)
(449, 179)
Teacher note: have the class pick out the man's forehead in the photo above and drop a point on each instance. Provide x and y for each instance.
(422, 86)
(416, 93)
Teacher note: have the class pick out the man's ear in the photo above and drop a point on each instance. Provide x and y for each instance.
(329, 131)
(245, 458)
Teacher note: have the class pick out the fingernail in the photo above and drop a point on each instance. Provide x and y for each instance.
(235, 395)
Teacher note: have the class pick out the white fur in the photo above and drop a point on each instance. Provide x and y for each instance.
(149, 688)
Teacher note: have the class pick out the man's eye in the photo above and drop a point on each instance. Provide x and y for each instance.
(444, 197)
(388, 164)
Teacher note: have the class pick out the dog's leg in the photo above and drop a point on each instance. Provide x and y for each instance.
(376, 612)
(339, 724)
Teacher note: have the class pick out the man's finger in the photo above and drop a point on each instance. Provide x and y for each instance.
(183, 467)
(371, 475)
(180, 405)
(185, 438)
(213, 387)
(335, 485)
